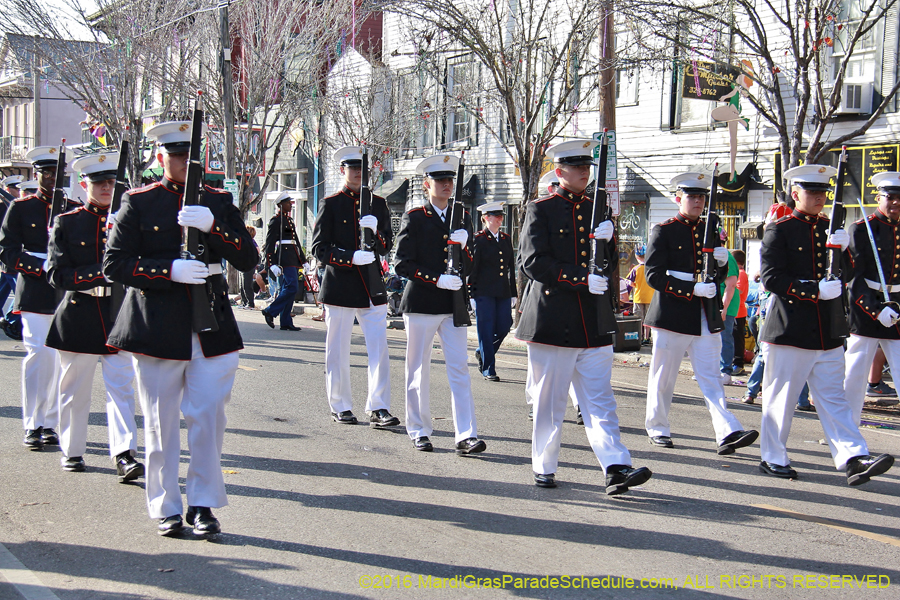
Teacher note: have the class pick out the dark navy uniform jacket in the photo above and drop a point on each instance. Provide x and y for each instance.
(494, 268)
(336, 238)
(74, 262)
(155, 318)
(865, 302)
(554, 252)
(794, 259)
(281, 227)
(26, 229)
(677, 245)
(421, 257)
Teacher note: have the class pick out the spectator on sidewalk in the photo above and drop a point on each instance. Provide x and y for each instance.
(740, 321)
(643, 293)
(247, 300)
(730, 301)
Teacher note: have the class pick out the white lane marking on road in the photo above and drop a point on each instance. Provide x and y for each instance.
(243, 368)
(24, 580)
(886, 539)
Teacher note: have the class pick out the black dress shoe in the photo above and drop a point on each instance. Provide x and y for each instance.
(777, 470)
(33, 440)
(735, 440)
(49, 437)
(170, 525)
(862, 468)
(807, 408)
(663, 441)
(545, 480)
(382, 418)
(74, 464)
(480, 361)
(423, 444)
(578, 418)
(346, 417)
(621, 477)
(470, 446)
(492, 378)
(127, 468)
(203, 521)
(270, 320)
(290, 328)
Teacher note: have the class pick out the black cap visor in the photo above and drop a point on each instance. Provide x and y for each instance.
(177, 147)
(690, 191)
(575, 161)
(101, 176)
(442, 174)
(813, 186)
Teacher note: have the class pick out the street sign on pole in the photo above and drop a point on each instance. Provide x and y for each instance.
(612, 165)
(232, 187)
(612, 195)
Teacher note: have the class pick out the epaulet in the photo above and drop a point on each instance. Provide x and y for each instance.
(73, 211)
(334, 195)
(480, 233)
(669, 221)
(546, 198)
(216, 190)
(146, 188)
(28, 197)
(783, 219)
(412, 210)
(821, 216)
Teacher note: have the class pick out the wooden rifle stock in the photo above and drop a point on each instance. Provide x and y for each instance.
(203, 315)
(712, 306)
(835, 309)
(606, 316)
(372, 275)
(454, 262)
(58, 205)
(118, 289)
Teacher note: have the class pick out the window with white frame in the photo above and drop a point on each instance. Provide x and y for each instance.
(626, 73)
(461, 83)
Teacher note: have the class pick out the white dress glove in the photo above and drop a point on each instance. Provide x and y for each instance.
(111, 219)
(513, 302)
(306, 266)
(449, 282)
(369, 222)
(361, 257)
(460, 236)
(192, 272)
(829, 290)
(472, 303)
(597, 284)
(198, 217)
(888, 316)
(721, 255)
(604, 231)
(839, 238)
(275, 270)
(705, 290)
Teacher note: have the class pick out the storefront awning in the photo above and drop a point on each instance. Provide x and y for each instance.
(394, 191)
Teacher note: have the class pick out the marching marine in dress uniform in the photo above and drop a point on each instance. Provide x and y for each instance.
(560, 323)
(284, 257)
(492, 287)
(336, 244)
(23, 249)
(798, 344)
(427, 306)
(678, 320)
(81, 323)
(175, 367)
(871, 321)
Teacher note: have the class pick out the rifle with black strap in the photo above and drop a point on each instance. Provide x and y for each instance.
(372, 276)
(835, 309)
(203, 315)
(118, 289)
(712, 306)
(58, 205)
(606, 316)
(454, 250)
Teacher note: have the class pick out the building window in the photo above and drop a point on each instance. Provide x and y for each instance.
(461, 83)
(627, 74)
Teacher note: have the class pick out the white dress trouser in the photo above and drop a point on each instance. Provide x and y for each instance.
(40, 372)
(787, 369)
(373, 322)
(76, 381)
(705, 351)
(859, 356)
(420, 332)
(200, 388)
(586, 371)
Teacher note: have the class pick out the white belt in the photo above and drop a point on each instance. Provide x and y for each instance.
(877, 286)
(283, 242)
(215, 269)
(681, 275)
(100, 291)
(37, 254)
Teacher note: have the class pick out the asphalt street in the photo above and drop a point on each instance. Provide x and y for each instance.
(321, 510)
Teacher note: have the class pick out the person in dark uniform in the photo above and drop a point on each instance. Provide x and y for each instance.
(82, 320)
(344, 293)
(284, 257)
(10, 187)
(559, 322)
(427, 306)
(23, 249)
(797, 342)
(176, 368)
(492, 287)
(678, 321)
(871, 322)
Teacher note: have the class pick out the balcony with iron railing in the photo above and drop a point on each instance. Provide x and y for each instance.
(14, 148)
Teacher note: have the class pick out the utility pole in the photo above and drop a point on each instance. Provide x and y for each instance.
(225, 68)
(608, 67)
(36, 106)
